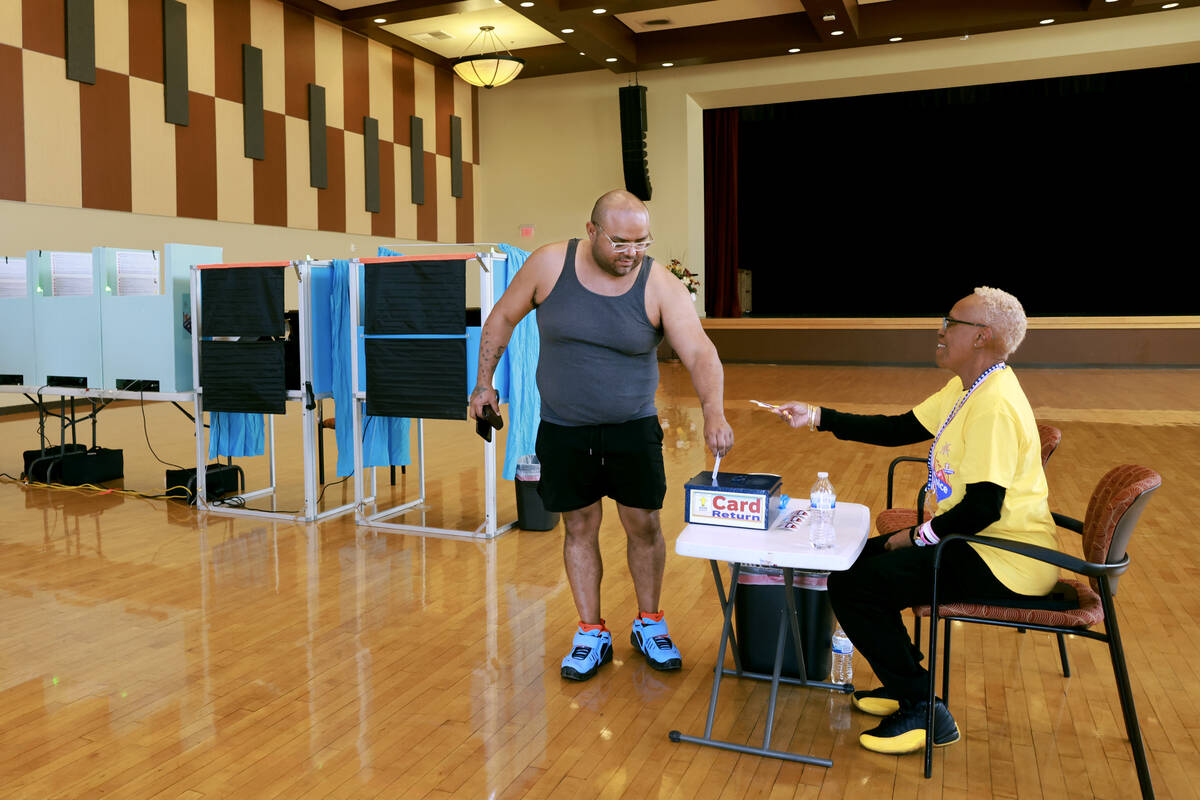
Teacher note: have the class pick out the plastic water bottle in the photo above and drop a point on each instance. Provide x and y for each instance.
(822, 501)
(843, 658)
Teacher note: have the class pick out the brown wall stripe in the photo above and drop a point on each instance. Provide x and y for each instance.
(464, 207)
(384, 223)
(270, 174)
(474, 124)
(43, 27)
(355, 81)
(299, 60)
(145, 39)
(81, 40)
(104, 142)
(443, 95)
(231, 26)
(404, 97)
(427, 225)
(12, 131)
(196, 160)
(331, 201)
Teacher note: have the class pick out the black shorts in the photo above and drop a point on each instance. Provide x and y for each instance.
(582, 464)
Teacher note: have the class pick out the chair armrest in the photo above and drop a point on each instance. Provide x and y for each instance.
(1044, 554)
(892, 472)
(1070, 523)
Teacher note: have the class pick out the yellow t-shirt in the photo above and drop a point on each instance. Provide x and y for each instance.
(994, 438)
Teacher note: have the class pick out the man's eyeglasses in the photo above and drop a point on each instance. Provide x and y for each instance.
(949, 322)
(626, 247)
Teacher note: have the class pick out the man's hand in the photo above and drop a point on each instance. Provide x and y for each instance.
(898, 540)
(718, 435)
(484, 396)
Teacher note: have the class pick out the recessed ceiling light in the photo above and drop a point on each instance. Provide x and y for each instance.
(527, 4)
(836, 33)
(599, 10)
(668, 63)
(568, 30)
(610, 60)
(582, 53)
(794, 50)
(380, 20)
(1045, 22)
(1171, 5)
(896, 39)
(829, 18)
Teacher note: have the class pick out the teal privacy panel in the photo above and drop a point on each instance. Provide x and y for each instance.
(18, 357)
(66, 318)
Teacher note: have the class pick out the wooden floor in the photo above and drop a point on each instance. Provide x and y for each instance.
(148, 652)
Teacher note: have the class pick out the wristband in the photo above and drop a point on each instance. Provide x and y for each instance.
(812, 417)
(923, 535)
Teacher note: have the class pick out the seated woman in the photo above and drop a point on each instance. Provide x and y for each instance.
(985, 479)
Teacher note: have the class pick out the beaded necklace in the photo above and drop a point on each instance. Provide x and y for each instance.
(929, 484)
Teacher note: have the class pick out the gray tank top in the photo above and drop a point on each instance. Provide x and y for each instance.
(599, 355)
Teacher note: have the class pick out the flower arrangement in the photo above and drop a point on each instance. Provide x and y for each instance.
(690, 279)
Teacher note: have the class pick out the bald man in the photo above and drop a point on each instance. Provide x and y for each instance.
(603, 307)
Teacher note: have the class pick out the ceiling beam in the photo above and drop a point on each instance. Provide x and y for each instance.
(834, 20)
(405, 10)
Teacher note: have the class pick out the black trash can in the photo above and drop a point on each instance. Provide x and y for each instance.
(757, 608)
(531, 514)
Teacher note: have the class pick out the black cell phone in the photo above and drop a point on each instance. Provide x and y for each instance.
(490, 420)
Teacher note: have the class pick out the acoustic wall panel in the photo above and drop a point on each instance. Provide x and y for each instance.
(417, 159)
(317, 149)
(252, 102)
(406, 210)
(81, 40)
(371, 164)
(456, 157)
(175, 61)
(427, 213)
(384, 223)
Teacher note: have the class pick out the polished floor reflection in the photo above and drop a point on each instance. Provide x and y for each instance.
(147, 651)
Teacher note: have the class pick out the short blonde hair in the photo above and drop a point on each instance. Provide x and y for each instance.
(1005, 317)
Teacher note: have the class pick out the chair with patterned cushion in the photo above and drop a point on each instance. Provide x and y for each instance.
(1073, 607)
(891, 519)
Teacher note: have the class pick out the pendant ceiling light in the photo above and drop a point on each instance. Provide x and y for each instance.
(490, 67)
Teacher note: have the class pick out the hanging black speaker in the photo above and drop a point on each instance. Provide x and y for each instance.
(633, 140)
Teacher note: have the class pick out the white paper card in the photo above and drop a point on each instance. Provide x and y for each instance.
(137, 273)
(71, 274)
(12, 278)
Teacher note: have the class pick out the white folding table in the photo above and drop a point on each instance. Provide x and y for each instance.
(790, 550)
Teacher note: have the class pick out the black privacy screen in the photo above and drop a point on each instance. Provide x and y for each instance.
(242, 301)
(411, 375)
(246, 377)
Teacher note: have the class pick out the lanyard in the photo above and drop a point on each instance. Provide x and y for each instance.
(953, 412)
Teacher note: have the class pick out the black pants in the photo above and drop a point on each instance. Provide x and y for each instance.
(868, 599)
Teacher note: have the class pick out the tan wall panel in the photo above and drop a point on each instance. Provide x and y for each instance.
(235, 172)
(462, 108)
(112, 35)
(406, 211)
(10, 22)
(358, 219)
(426, 107)
(266, 33)
(379, 58)
(202, 70)
(152, 144)
(301, 197)
(53, 165)
(329, 71)
(447, 210)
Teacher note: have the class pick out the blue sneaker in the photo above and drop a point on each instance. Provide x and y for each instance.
(651, 638)
(589, 650)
